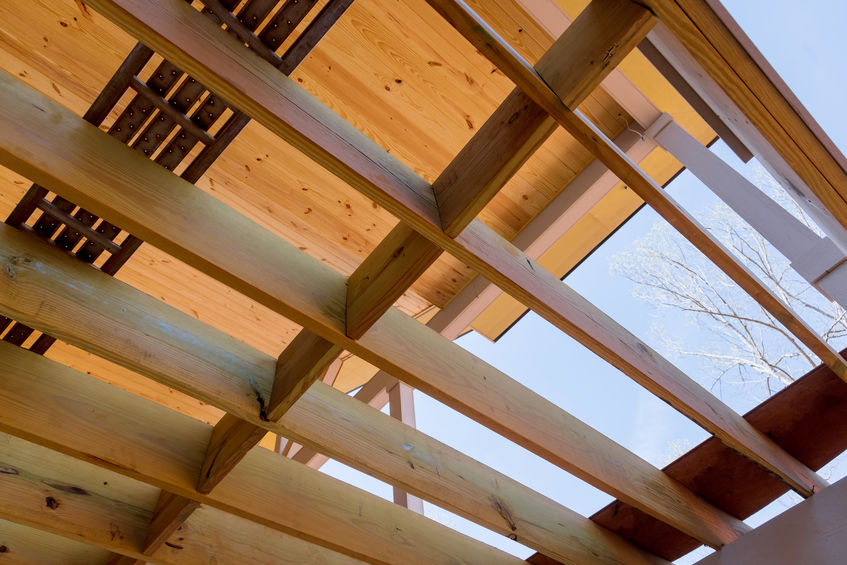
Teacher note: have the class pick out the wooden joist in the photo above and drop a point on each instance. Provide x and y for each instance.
(299, 365)
(163, 448)
(54, 493)
(742, 74)
(576, 63)
(168, 450)
(178, 350)
(468, 23)
(307, 124)
(171, 511)
(154, 204)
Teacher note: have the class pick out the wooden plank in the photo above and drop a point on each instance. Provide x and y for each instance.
(808, 418)
(101, 425)
(28, 546)
(550, 225)
(104, 509)
(299, 365)
(725, 56)
(153, 203)
(763, 450)
(598, 39)
(402, 408)
(31, 496)
(171, 511)
(574, 66)
(385, 274)
(169, 346)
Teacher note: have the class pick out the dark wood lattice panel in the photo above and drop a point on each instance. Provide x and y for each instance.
(172, 119)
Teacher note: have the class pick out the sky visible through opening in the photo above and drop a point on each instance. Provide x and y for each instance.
(802, 45)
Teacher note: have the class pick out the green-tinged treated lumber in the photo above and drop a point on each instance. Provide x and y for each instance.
(154, 444)
(150, 202)
(52, 492)
(100, 313)
(177, 31)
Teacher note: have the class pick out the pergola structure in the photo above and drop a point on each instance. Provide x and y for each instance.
(218, 243)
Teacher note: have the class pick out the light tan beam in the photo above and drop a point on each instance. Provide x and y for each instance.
(481, 35)
(577, 62)
(78, 161)
(180, 34)
(108, 317)
(55, 493)
(300, 364)
(156, 445)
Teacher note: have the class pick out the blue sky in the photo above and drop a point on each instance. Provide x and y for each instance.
(802, 44)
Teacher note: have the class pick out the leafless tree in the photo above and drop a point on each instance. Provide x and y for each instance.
(739, 337)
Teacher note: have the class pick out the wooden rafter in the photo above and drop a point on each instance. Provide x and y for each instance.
(167, 451)
(576, 63)
(153, 203)
(192, 357)
(185, 461)
(291, 113)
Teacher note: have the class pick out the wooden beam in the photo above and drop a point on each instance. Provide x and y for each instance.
(468, 23)
(563, 212)
(818, 260)
(576, 63)
(815, 433)
(306, 503)
(54, 493)
(153, 203)
(402, 408)
(171, 511)
(299, 365)
(211, 365)
(726, 55)
(101, 425)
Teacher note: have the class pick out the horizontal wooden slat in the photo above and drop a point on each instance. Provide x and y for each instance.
(161, 447)
(697, 404)
(153, 203)
(55, 493)
(576, 63)
(120, 323)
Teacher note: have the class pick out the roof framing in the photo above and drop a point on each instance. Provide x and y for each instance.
(220, 467)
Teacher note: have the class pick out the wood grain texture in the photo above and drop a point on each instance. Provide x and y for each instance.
(29, 546)
(167, 452)
(574, 66)
(171, 511)
(301, 288)
(386, 274)
(194, 358)
(300, 364)
(752, 85)
(104, 509)
(742, 435)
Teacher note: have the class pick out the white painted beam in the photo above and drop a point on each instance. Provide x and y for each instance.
(816, 259)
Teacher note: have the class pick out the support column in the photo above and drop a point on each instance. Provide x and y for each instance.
(401, 401)
(816, 259)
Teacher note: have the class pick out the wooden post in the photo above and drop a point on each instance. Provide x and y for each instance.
(402, 406)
